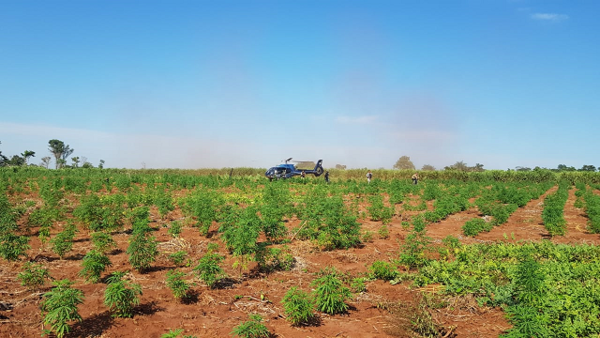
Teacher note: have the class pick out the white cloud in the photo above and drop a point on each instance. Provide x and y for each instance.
(552, 17)
(366, 119)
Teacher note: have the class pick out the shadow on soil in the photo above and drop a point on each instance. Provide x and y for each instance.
(191, 297)
(226, 283)
(93, 326)
(148, 309)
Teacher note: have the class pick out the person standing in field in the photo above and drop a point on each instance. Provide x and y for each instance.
(327, 177)
(303, 174)
(415, 178)
(369, 176)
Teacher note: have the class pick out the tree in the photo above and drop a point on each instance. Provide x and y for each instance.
(428, 167)
(340, 166)
(27, 154)
(478, 167)
(87, 164)
(563, 167)
(75, 161)
(16, 161)
(60, 152)
(101, 165)
(404, 162)
(588, 167)
(460, 165)
(3, 159)
(45, 161)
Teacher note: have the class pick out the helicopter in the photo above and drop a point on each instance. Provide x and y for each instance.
(287, 170)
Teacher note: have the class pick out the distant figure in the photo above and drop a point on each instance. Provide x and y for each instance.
(415, 178)
(327, 176)
(303, 174)
(369, 176)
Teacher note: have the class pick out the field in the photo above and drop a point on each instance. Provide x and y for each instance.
(458, 255)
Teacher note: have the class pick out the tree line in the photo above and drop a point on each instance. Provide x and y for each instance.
(404, 163)
(58, 149)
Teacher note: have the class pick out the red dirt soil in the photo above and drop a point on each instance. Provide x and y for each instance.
(378, 312)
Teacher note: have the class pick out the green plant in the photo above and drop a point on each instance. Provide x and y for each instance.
(175, 228)
(94, 263)
(33, 275)
(451, 242)
(298, 306)
(378, 211)
(208, 269)
(175, 333)
(178, 257)
(383, 232)
(252, 328)
(367, 236)
(358, 285)
(240, 232)
(142, 251)
(172, 333)
(273, 259)
(178, 286)
(330, 294)
(553, 214)
(474, 226)
(13, 246)
(121, 295)
(103, 242)
(383, 270)
(416, 245)
(63, 241)
(59, 307)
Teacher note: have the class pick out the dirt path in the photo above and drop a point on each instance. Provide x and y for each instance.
(525, 224)
(576, 224)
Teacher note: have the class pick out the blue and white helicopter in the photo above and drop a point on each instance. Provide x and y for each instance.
(287, 170)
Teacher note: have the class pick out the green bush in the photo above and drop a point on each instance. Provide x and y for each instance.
(298, 306)
(178, 286)
(252, 328)
(383, 270)
(330, 294)
(175, 334)
(94, 263)
(474, 226)
(13, 246)
(208, 269)
(274, 259)
(63, 241)
(378, 211)
(416, 245)
(178, 257)
(383, 232)
(59, 307)
(103, 242)
(142, 251)
(175, 229)
(33, 275)
(121, 295)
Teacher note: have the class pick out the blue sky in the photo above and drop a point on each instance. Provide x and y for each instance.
(193, 84)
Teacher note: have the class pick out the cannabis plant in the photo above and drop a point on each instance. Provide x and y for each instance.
(208, 269)
(298, 306)
(59, 307)
(252, 328)
(121, 295)
(94, 263)
(330, 293)
(176, 283)
(33, 275)
(142, 251)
